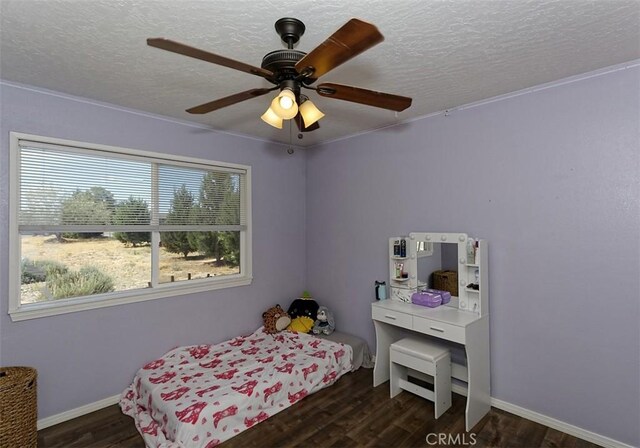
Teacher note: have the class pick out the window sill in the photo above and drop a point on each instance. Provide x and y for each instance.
(53, 308)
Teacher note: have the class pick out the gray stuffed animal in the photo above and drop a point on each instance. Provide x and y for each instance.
(325, 323)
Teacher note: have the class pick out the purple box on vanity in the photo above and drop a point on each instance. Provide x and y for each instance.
(446, 295)
(424, 298)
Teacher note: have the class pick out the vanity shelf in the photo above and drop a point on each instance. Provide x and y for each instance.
(400, 287)
(475, 300)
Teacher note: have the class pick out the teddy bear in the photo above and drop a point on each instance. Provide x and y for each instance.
(275, 319)
(325, 323)
(303, 312)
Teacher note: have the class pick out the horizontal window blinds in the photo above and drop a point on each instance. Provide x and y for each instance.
(73, 189)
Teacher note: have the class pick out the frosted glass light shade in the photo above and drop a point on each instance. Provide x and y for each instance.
(285, 98)
(270, 117)
(310, 113)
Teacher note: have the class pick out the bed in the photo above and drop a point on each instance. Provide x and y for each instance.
(200, 396)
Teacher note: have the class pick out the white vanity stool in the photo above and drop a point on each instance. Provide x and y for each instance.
(426, 357)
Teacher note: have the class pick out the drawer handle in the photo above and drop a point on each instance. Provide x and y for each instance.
(388, 316)
(437, 329)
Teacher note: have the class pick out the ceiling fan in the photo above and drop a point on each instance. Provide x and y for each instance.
(292, 70)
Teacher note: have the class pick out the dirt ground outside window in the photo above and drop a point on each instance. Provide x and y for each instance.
(129, 267)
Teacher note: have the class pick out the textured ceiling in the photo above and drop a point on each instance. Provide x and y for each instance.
(441, 53)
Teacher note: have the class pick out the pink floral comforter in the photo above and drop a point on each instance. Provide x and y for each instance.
(200, 396)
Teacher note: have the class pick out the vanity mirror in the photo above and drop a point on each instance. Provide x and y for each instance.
(447, 261)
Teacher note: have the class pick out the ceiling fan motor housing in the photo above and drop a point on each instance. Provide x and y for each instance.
(282, 63)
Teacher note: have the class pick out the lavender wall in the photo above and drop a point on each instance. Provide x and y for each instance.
(552, 180)
(86, 356)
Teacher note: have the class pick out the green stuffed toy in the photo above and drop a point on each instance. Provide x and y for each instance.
(303, 312)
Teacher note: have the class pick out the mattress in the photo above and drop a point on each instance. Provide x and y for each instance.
(200, 396)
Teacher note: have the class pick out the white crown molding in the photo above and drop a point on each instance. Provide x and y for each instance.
(506, 96)
(127, 110)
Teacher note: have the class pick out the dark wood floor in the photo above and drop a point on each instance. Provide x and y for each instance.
(349, 414)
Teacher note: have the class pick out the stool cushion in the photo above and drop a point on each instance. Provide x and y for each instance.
(420, 348)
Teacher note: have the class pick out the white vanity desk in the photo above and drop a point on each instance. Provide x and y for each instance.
(394, 319)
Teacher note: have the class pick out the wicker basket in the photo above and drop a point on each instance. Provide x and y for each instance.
(18, 407)
(446, 281)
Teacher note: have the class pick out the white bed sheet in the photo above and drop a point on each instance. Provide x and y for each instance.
(200, 396)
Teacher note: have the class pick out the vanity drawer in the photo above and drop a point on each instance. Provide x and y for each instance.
(439, 329)
(392, 317)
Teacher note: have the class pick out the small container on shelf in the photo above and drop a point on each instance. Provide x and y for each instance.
(471, 251)
(400, 273)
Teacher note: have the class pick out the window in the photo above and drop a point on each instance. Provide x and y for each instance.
(94, 226)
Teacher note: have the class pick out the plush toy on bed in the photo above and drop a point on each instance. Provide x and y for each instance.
(303, 312)
(325, 323)
(275, 319)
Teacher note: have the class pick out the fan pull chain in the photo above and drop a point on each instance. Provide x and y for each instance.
(290, 150)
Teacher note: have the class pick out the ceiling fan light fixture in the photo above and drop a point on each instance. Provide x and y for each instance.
(271, 118)
(310, 113)
(290, 70)
(284, 105)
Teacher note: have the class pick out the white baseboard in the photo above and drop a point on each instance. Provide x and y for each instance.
(553, 423)
(77, 412)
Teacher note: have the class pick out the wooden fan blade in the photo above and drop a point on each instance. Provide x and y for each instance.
(300, 123)
(186, 50)
(364, 96)
(227, 101)
(352, 39)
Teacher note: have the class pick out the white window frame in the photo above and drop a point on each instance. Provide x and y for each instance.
(19, 311)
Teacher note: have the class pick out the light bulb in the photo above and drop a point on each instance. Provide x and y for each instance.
(284, 105)
(286, 102)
